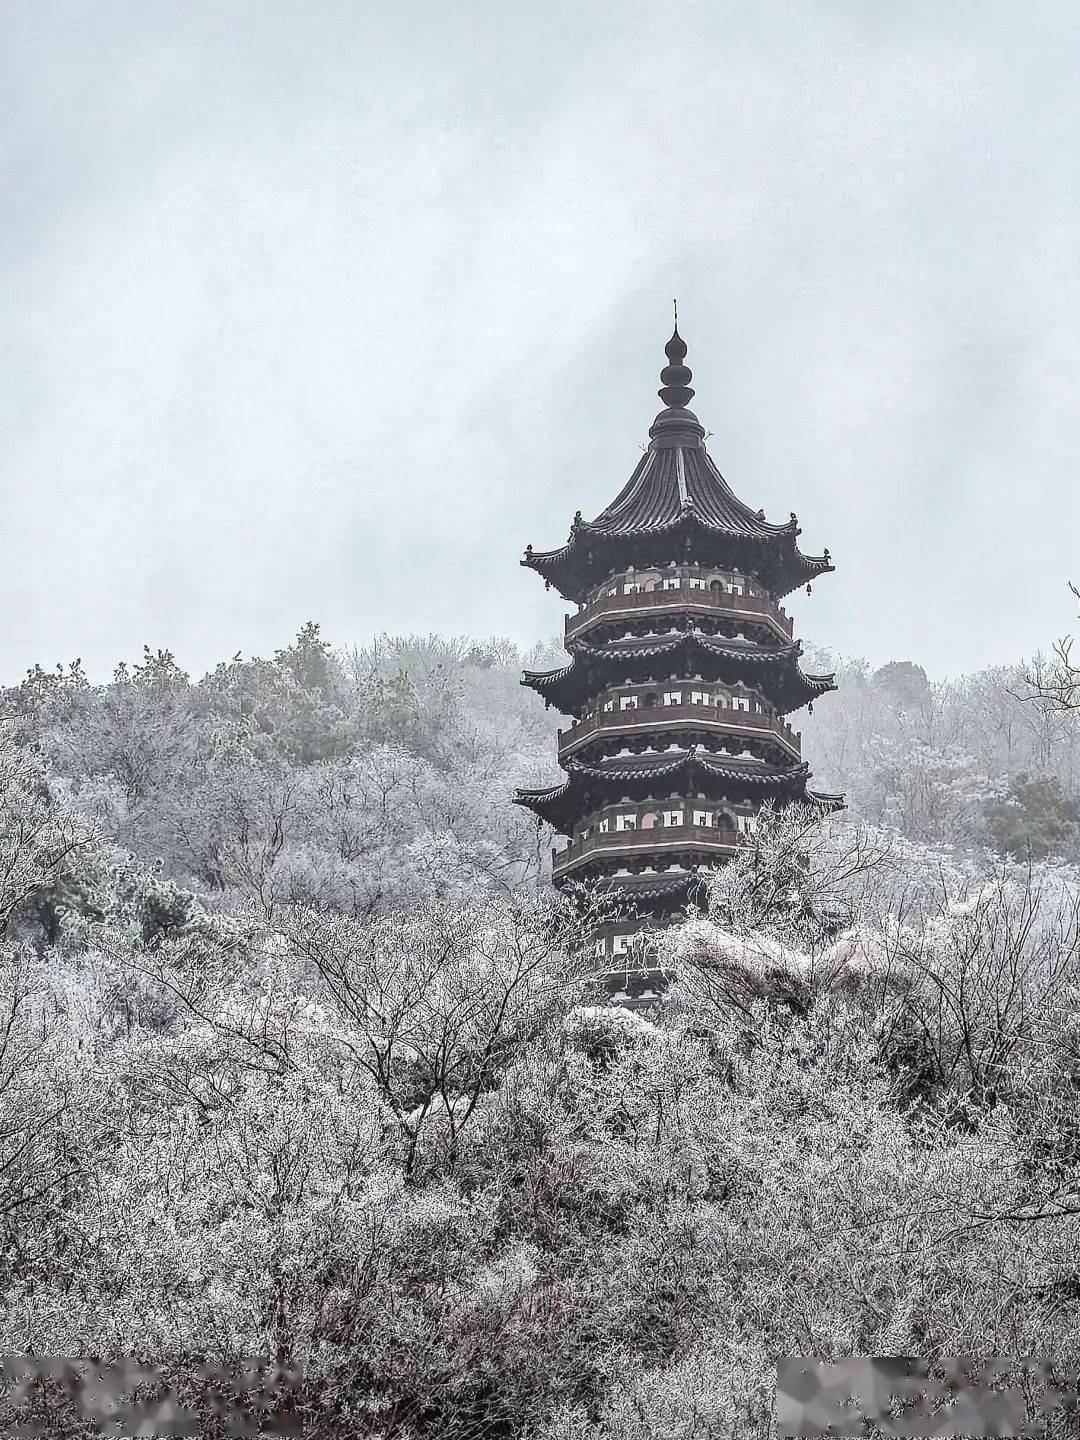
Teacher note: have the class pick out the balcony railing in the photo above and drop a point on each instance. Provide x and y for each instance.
(663, 718)
(705, 839)
(698, 602)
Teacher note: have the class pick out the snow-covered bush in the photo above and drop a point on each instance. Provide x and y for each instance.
(602, 1031)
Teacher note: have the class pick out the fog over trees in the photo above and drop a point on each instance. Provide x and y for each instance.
(299, 1060)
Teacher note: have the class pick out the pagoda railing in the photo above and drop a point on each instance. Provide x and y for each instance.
(659, 719)
(685, 598)
(706, 839)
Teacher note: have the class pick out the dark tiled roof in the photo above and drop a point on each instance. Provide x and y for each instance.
(677, 497)
(643, 895)
(827, 802)
(775, 669)
(638, 648)
(666, 484)
(586, 787)
(677, 506)
(690, 762)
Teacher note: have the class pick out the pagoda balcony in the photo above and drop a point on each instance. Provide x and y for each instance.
(684, 600)
(664, 719)
(705, 840)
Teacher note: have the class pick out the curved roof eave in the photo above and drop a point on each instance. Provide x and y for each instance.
(557, 567)
(827, 799)
(688, 760)
(665, 645)
(582, 652)
(550, 803)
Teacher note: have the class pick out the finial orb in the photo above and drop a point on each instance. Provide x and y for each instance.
(675, 349)
(675, 377)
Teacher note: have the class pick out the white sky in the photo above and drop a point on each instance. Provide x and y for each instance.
(323, 310)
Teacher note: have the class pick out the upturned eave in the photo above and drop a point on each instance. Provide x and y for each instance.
(775, 671)
(587, 787)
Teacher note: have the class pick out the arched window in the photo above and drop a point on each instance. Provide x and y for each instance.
(651, 584)
(650, 820)
(650, 700)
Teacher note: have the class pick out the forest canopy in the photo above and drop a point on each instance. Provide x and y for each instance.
(300, 1061)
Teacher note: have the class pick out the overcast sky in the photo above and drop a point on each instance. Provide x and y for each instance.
(324, 310)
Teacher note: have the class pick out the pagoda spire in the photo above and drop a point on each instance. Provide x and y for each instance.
(676, 427)
(675, 377)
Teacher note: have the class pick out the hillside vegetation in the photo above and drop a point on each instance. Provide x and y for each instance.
(298, 1062)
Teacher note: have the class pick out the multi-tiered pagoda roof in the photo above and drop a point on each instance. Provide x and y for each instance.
(682, 667)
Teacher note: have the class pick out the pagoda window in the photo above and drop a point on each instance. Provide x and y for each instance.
(609, 705)
(604, 827)
(672, 697)
(747, 824)
(702, 817)
(600, 947)
(625, 822)
(673, 817)
(740, 702)
(698, 697)
(696, 584)
(672, 582)
(628, 702)
(621, 944)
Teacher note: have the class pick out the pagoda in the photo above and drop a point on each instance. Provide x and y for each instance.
(683, 670)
